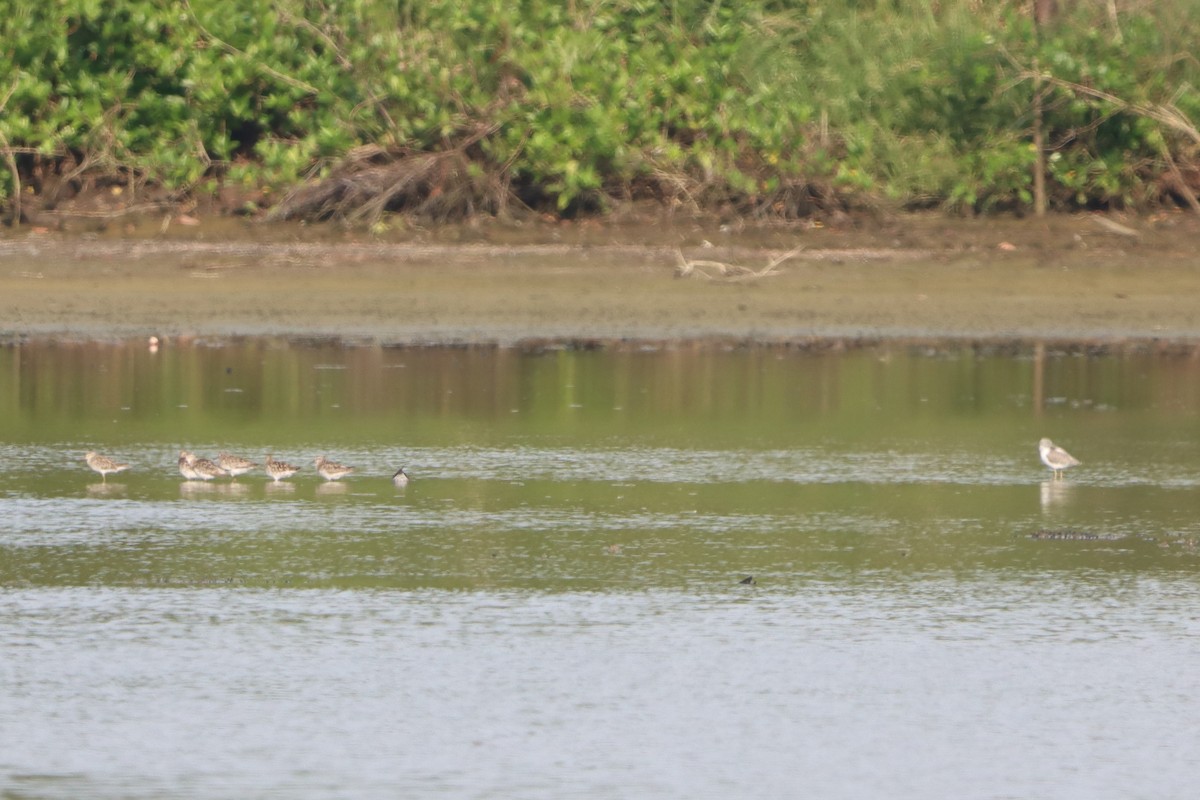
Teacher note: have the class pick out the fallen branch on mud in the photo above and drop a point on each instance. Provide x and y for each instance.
(729, 273)
(1116, 227)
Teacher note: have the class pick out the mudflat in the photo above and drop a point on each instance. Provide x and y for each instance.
(1075, 278)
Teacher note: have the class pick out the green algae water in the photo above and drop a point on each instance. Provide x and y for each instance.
(640, 572)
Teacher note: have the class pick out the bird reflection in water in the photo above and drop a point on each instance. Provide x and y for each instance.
(1055, 493)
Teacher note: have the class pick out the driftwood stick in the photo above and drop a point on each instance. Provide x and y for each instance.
(1116, 227)
(728, 273)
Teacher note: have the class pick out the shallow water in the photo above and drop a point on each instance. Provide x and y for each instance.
(553, 606)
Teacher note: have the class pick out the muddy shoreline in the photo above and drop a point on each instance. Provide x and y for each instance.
(1069, 282)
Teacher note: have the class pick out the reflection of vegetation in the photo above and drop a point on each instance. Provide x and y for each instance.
(450, 107)
(273, 393)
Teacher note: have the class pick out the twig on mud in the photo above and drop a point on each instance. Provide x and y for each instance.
(729, 273)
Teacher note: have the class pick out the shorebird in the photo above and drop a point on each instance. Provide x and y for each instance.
(235, 465)
(185, 466)
(1055, 457)
(278, 470)
(331, 470)
(400, 478)
(103, 464)
(205, 470)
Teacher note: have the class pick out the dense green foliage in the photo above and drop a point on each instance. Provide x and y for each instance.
(764, 106)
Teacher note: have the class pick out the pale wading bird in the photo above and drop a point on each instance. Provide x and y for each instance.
(103, 464)
(400, 478)
(1055, 457)
(331, 470)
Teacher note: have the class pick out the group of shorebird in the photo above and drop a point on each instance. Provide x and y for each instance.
(197, 468)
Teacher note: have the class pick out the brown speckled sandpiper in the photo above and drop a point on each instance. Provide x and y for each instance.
(235, 465)
(205, 470)
(331, 470)
(278, 470)
(103, 464)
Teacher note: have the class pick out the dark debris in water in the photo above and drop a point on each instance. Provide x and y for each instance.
(1073, 534)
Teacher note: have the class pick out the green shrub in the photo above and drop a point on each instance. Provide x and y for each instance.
(764, 106)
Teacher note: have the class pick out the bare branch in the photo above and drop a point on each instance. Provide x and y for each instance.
(1167, 114)
(11, 160)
